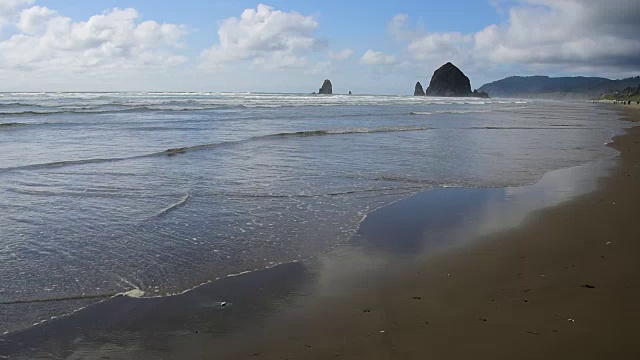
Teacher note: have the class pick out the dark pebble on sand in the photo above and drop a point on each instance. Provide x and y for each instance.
(588, 286)
(417, 298)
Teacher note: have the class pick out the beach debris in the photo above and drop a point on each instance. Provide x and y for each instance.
(381, 331)
(543, 276)
(588, 286)
(482, 319)
(571, 320)
(417, 298)
(532, 332)
(366, 310)
(223, 304)
(608, 243)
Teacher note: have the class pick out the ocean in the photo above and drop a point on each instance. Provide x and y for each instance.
(153, 194)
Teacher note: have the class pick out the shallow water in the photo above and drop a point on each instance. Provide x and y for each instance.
(105, 193)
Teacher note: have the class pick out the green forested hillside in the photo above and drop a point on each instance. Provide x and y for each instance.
(557, 88)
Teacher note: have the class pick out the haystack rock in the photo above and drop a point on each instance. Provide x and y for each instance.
(448, 80)
(326, 88)
(419, 91)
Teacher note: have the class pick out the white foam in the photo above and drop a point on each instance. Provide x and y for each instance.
(135, 293)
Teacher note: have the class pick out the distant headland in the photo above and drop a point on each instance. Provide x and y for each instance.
(577, 87)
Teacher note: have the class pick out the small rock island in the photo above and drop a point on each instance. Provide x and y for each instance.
(326, 88)
(419, 91)
(449, 81)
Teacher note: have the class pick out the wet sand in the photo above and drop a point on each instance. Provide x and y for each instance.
(563, 284)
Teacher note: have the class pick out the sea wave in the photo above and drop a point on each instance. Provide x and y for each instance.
(12, 125)
(440, 112)
(185, 149)
(62, 298)
(174, 206)
(549, 127)
(125, 109)
(17, 104)
(348, 131)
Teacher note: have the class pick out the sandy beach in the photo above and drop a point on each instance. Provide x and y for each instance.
(562, 285)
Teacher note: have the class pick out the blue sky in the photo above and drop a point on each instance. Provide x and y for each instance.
(291, 46)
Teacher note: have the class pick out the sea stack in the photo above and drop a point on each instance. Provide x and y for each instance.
(448, 80)
(326, 88)
(480, 94)
(419, 91)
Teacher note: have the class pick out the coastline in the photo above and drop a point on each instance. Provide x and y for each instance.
(562, 285)
(426, 308)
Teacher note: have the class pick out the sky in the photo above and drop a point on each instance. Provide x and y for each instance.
(375, 47)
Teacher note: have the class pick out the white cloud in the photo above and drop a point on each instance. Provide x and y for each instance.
(433, 48)
(114, 39)
(9, 9)
(35, 19)
(371, 57)
(399, 28)
(451, 46)
(340, 55)
(320, 68)
(568, 32)
(267, 37)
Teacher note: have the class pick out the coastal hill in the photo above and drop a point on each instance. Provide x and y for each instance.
(448, 80)
(545, 87)
(628, 94)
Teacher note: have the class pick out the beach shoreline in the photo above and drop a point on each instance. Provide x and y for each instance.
(562, 284)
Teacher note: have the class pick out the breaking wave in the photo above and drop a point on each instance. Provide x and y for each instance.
(11, 125)
(185, 149)
(347, 131)
(440, 112)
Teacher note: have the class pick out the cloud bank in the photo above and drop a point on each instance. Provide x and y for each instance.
(40, 46)
(563, 34)
(47, 40)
